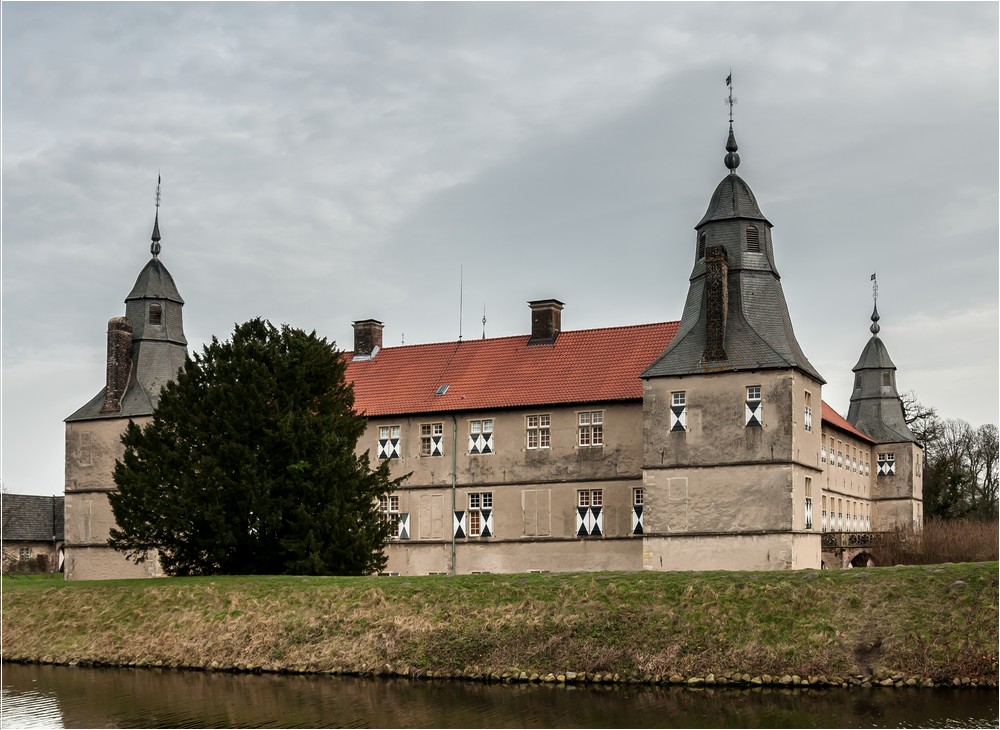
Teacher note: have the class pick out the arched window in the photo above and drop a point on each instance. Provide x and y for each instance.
(155, 314)
(753, 240)
(702, 242)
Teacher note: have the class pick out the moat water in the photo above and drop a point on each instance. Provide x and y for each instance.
(35, 696)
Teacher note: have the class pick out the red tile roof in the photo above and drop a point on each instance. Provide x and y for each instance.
(835, 419)
(582, 366)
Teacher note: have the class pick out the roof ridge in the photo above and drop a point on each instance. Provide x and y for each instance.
(528, 335)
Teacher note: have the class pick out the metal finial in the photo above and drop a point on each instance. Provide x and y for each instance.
(154, 247)
(875, 318)
(484, 320)
(732, 158)
(730, 100)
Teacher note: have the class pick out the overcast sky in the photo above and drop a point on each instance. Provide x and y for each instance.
(324, 163)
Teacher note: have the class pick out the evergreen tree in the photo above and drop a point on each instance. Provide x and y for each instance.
(249, 465)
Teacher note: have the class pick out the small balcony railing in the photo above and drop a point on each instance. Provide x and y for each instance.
(852, 539)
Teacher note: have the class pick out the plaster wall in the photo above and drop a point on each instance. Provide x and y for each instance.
(512, 462)
(720, 475)
(898, 498)
(766, 551)
(92, 447)
(517, 557)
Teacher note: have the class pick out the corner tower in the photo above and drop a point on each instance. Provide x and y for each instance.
(146, 348)
(730, 442)
(877, 411)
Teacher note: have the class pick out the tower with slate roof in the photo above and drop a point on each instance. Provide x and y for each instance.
(877, 411)
(730, 437)
(146, 348)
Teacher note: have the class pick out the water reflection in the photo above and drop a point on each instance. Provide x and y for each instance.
(47, 696)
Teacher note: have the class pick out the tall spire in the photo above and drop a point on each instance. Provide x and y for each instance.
(154, 247)
(735, 316)
(732, 158)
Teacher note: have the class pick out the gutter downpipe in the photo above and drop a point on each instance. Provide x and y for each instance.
(454, 478)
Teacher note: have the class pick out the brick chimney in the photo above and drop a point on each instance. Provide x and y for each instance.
(367, 338)
(546, 321)
(119, 363)
(716, 303)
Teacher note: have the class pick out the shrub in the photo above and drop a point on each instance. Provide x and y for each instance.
(940, 541)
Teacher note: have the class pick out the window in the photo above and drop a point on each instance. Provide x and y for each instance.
(678, 411)
(822, 453)
(754, 411)
(538, 431)
(431, 438)
(823, 523)
(702, 242)
(481, 436)
(809, 411)
(388, 505)
(24, 553)
(753, 239)
(591, 431)
(638, 496)
(886, 464)
(480, 514)
(590, 512)
(809, 503)
(155, 314)
(388, 442)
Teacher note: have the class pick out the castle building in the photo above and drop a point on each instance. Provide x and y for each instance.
(696, 444)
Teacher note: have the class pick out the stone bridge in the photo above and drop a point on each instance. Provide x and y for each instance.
(850, 549)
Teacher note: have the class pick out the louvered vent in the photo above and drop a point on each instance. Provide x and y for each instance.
(702, 240)
(753, 240)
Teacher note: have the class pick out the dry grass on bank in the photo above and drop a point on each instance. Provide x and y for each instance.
(934, 622)
(941, 541)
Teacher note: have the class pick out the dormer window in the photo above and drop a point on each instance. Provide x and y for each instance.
(155, 314)
(753, 240)
(702, 242)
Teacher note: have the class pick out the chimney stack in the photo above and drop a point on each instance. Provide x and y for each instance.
(119, 363)
(716, 303)
(546, 321)
(367, 338)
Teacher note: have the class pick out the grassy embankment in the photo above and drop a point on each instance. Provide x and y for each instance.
(923, 624)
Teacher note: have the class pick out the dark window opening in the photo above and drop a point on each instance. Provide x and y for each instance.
(886, 377)
(753, 240)
(155, 314)
(702, 241)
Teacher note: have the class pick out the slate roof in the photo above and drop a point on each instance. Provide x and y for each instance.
(32, 518)
(155, 282)
(582, 366)
(874, 356)
(732, 198)
(833, 418)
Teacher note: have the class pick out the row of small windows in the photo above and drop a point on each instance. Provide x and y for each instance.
(752, 239)
(477, 519)
(845, 456)
(753, 412)
(845, 515)
(590, 433)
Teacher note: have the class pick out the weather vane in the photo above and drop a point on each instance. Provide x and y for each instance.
(730, 100)
(484, 320)
(875, 318)
(154, 247)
